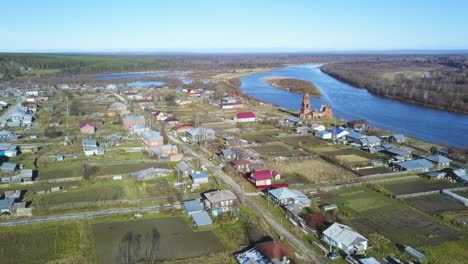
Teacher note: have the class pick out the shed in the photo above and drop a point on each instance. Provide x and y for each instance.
(323, 134)
(202, 219)
(9, 167)
(201, 177)
(192, 207)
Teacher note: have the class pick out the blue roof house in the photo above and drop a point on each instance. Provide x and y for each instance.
(418, 165)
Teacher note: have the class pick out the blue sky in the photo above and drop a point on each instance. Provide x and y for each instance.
(209, 25)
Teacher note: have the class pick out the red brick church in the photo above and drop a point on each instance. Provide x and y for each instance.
(308, 113)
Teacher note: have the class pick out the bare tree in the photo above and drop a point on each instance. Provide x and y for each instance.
(151, 246)
(128, 248)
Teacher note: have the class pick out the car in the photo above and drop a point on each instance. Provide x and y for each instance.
(334, 256)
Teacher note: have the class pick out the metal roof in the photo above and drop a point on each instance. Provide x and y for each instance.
(343, 234)
(193, 206)
(220, 195)
(202, 219)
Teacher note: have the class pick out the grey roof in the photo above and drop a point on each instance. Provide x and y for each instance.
(185, 166)
(200, 131)
(220, 195)
(193, 206)
(228, 152)
(151, 135)
(415, 164)
(355, 135)
(9, 166)
(343, 234)
(369, 140)
(398, 137)
(438, 159)
(89, 142)
(202, 219)
(133, 118)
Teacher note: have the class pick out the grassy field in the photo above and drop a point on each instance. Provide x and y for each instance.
(68, 242)
(308, 171)
(435, 203)
(177, 238)
(60, 171)
(92, 191)
(128, 168)
(419, 186)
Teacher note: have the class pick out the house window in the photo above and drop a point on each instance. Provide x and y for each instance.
(222, 203)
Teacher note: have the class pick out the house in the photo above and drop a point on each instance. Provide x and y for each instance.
(402, 153)
(54, 123)
(274, 251)
(354, 137)
(338, 132)
(171, 121)
(245, 117)
(151, 139)
(323, 134)
(182, 128)
(459, 175)
(6, 206)
(294, 120)
(417, 165)
(241, 165)
(302, 130)
(139, 129)
(397, 138)
(9, 167)
(90, 147)
(437, 175)
(344, 238)
(6, 135)
(23, 176)
(439, 161)
(201, 219)
(167, 152)
(132, 120)
(160, 116)
(146, 104)
(370, 141)
(184, 168)
(117, 107)
(111, 140)
(192, 207)
(8, 150)
(358, 125)
(87, 127)
(228, 154)
(264, 177)
(285, 196)
(149, 173)
(220, 201)
(199, 177)
(200, 134)
(317, 127)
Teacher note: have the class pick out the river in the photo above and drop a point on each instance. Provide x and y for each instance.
(348, 102)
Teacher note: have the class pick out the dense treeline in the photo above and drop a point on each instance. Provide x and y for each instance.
(294, 85)
(439, 83)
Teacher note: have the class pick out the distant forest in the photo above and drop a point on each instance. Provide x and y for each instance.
(439, 82)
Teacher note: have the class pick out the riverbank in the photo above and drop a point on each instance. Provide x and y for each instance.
(293, 85)
(412, 84)
(348, 102)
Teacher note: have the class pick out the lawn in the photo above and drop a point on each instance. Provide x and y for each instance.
(92, 191)
(358, 199)
(62, 242)
(177, 238)
(259, 137)
(60, 171)
(127, 168)
(419, 186)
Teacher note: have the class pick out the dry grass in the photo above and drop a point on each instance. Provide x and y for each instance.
(315, 170)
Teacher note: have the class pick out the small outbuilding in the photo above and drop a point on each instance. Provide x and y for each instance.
(202, 219)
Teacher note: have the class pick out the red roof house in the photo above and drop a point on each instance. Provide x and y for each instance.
(245, 117)
(274, 250)
(87, 127)
(262, 177)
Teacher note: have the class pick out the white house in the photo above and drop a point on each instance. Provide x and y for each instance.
(344, 238)
(317, 127)
(90, 147)
(323, 134)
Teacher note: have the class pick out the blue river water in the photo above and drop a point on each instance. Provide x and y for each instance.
(348, 102)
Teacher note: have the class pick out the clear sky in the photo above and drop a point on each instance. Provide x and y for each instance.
(217, 25)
